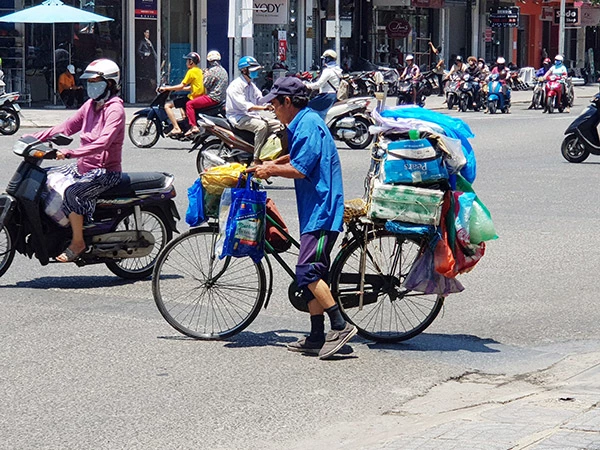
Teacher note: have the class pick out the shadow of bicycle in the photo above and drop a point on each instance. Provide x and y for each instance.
(442, 343)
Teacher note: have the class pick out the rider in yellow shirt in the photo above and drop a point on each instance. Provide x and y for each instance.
(193, 81)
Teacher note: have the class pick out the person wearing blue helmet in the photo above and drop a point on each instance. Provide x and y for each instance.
(242, 105)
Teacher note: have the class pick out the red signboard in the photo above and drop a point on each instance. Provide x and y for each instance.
(282, 49)
(398, 28)
(427, 3)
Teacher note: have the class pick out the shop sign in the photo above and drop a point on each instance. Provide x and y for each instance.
(427, 3)
(504, 17)
(146, 9)
(547, 14)
(488, 35)
(590, 17)
(270, 11)
(571, 16)
(399, 28)
(345, 29)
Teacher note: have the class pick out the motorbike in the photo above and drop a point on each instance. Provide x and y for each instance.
(470, 97)
(220, 142)
(10, 122)
(582, 134)
(538, 99)
(405, 90)
(496, 99)
(553, 90)
(150, 123)
(453, 90)
(349, 121)
(132, 222)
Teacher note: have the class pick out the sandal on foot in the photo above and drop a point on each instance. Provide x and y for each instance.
(68, 256)
(191, 131)
(172, 134)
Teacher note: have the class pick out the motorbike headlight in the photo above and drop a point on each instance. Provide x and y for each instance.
(20, 148)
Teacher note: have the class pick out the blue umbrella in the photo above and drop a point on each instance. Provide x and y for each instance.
(53, 11)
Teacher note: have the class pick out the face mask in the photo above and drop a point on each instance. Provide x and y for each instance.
(95, 90)
(557, 63)
(254, 74)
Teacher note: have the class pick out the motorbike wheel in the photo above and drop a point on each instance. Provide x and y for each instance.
(401, 100)
(450, 102)
(573, 150)
(463, 104)
(492, 106)
(550, 105)
(152, 220)
(7, 248)
(537, 100)
(143, 132)
(363, 138)
(209, 156)
(9, 121)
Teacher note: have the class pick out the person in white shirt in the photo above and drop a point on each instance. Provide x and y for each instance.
(327, 84)
(242, 105)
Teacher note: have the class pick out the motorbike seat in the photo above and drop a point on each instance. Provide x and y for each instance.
(215, 110)
(131, 182)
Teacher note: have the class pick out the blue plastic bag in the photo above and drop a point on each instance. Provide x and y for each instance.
(194, 215)
(453, 127)
(244, 230)
(413, 161)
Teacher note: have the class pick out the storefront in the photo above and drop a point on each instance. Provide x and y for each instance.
(403, 27)
(26, 49)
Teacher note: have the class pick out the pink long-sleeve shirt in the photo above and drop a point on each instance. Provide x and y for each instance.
(102, 135)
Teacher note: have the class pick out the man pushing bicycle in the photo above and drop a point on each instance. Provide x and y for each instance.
(314, 164)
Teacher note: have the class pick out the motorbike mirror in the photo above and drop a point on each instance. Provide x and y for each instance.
(61, 139)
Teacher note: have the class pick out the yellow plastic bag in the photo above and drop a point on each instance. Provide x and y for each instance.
(271, 149)
(216, 179)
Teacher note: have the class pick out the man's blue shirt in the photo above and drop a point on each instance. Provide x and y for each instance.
(320, 194)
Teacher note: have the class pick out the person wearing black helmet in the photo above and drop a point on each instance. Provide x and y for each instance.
(193, 81)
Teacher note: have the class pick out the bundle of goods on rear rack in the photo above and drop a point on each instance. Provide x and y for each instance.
(423, 169)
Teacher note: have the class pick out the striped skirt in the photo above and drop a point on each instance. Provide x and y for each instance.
(80, 197)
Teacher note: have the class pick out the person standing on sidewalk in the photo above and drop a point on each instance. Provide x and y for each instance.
(314, 164)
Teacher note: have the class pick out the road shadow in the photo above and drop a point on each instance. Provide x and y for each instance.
(71, 282)
(428, 342)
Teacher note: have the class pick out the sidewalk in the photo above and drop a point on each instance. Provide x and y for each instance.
(44, 117)
(554, 408)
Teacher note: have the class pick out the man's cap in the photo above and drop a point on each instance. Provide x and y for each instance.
(288, 86)
(71, 69)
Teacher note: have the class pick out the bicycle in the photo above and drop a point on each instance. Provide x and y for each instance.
(207, 298)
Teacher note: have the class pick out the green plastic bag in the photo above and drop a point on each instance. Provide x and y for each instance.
(481, 226)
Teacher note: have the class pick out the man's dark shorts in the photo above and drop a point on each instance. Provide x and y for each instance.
(179, 102)
(314, 259)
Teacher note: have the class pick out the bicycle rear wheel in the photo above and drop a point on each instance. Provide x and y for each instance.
(202, 296)
(390, 312)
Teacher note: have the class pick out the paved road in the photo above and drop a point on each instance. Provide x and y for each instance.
(87, 360)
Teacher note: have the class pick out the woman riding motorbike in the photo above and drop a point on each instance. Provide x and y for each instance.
(101, 121)
(559, 70)
(411, 73)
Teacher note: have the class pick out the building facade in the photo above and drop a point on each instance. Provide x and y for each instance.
(149, 38)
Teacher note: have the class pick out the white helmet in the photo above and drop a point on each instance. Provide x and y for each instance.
(103, 68)
(500, 60)
(331, 54)
(213, 55)
(558, 58)
(409, 58)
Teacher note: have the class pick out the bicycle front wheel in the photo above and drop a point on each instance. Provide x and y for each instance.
(202, 296)
(390, 312)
